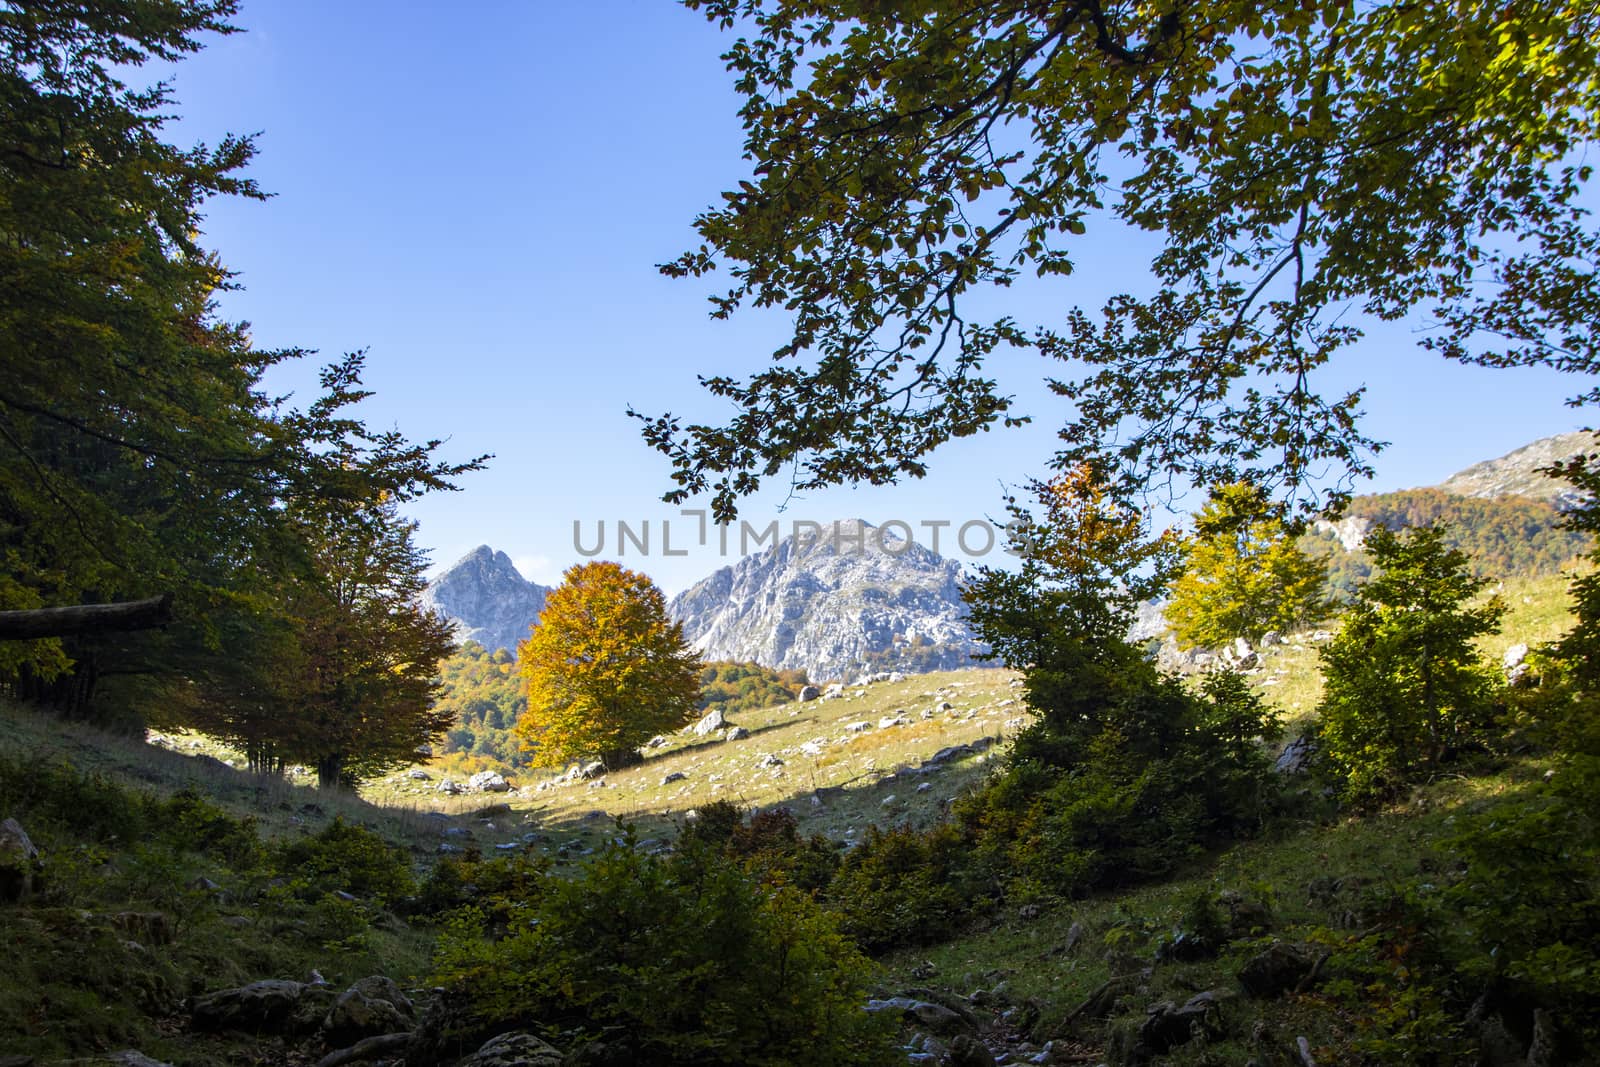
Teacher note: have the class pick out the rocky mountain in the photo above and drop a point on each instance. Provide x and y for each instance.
(1513, 479)
(489, 601)
(1517, 473)
(853, 601)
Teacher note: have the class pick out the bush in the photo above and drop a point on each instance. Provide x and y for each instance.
(348, 858)
(677, 959)
(905, 887)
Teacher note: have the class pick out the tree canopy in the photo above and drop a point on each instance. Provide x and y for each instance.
(1304, 164)
(140, 452)
(1242, 573)
(606, 668)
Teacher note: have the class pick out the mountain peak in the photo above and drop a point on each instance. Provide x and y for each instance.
(487, 598)
(847, 599)
(1517, 472)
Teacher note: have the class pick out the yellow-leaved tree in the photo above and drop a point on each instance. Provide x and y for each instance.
(606, 668)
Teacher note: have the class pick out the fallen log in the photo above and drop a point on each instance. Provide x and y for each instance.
(34, 623)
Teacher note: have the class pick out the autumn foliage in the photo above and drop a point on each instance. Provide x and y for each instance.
(606, 668)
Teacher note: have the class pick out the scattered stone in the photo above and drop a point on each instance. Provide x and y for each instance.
(456, 831)
(735, 733)
(936, 1017)
(1320, 637)
(447, 849)
(450, 787)
(833, 692)
(417, 774)
(923, 787)
(891, 720)
(944, 705)
(809, 693)
(675, 776)
(769, 760)
(507, 846)
(19, 862)
(133, 1058)
(591, 770)
(1296, 755)
(948, 755)
(488, 782)
(710, 723)
(889, 800)
(1074, 939)
(516, 1049)
(658, 741)
(812, 748)
(1271, 638)
(857, 727)
(260, 1006)
(373, 1006)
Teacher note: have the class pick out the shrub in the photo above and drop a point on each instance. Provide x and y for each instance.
(349, 858)
(903, 887)
(677, 959)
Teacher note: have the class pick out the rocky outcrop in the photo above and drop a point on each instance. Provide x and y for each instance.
(487, 599)
(852, 599)
(1517, 472)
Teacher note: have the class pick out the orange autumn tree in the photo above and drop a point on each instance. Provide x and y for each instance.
(606, 669)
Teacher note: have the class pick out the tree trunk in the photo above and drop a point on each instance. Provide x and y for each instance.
(330, 771)
(35, 623)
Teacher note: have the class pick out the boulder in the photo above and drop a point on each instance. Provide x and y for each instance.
(19, 862)
(1281, 968)
(934, 1017)
(735, 733)
(809, 693)
(710, 723)
(266, 1006)
(658, 741)
(516, 1049)
(968, 1051)
(375, 1005)
(417, 774)
(1296, 755)
(591, 770)
(450, 788)
(488, 782)
(948, 755)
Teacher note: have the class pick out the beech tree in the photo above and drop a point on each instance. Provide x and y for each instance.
(1307, 165)
(606, 668)
(1242, 572)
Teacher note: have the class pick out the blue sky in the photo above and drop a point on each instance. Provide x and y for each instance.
(478, 195)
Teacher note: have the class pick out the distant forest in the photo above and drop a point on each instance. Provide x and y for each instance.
(1506, 537)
